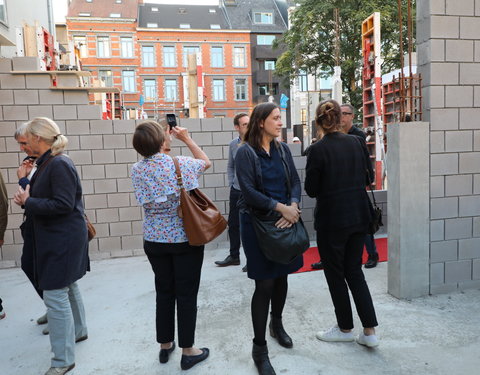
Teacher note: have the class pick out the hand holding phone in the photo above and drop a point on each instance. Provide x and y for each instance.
(171, 120)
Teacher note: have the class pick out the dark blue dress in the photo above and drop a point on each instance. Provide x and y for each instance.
(274, 184)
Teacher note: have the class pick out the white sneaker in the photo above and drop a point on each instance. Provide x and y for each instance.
(371, 341)
(335, 334)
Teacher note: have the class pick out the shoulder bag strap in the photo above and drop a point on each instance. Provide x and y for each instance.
(39, 169)
(371, 189)
(178, 172)
(287, 170)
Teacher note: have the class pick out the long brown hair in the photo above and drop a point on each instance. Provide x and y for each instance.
(328, 116)
(254, 134)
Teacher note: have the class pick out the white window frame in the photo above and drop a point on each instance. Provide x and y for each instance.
(170, 87)
(217, 59)
(169, 59)
(150, 90)
(239, 59)
(81, 43)
(128, 81)
(265, 18)
(103, 44)
(3, 7)
(152, 25)
(107, 78)
(126, 47)
(238, 89)
(148, 59)
(261, 42)
(218, 90)
(185, 55)
(267, 64)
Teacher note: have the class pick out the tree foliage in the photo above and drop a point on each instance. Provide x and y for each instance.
(310, 41)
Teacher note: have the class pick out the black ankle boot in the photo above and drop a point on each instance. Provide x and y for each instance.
(260, 357)
(277, 331)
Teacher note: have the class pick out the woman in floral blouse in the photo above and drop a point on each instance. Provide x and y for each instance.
(176, 264)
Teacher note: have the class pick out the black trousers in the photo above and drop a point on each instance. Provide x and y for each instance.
(341, 253)
(177, 268)
(234, 223)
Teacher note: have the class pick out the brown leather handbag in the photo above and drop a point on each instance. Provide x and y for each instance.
(90, 228)
(202, 221)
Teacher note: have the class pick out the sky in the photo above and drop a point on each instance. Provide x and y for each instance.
(60, 6)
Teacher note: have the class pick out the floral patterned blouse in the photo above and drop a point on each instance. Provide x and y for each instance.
(155, 185)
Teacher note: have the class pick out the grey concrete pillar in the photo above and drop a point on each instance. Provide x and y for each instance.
(408, 209)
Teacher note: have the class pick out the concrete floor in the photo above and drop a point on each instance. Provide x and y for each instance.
(432, 335)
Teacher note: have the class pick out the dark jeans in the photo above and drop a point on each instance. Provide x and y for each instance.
(341, 253)
(370, 244)
(234, 223)
(177, 268)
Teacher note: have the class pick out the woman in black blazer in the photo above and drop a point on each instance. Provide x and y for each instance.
(337, 172)
(53, 203)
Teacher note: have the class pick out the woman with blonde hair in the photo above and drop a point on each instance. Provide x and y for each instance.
(337, 173)
(53, 203)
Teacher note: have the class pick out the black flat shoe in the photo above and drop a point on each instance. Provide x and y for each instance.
(188, 361)
(228, 261)
(164, 353)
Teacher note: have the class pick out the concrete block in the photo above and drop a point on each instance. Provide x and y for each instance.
(81, 157)
(12, 252)
(443, 208)
(436, 6)
(476, 269)
(132, 242)
(7, 129)
(17, 113)
(437, 273)
(10, 81)
(105, 186)
(469, 27)
(6, 97)
(444, 73)
(26, 63)
(476, 184)
(437, 96)
(458, 228)
(437, 186)
(211, 124)
(460, 7)
(107, 215)
(25, 97)
(123, 126)
(458, 141)
(130, 213)
(469, 74)
(459, 50)
(50, 97)
(222, 138)
(437, 142)
(114, 141)
(443, 164)
(87, 187)
(444, 27)
(118, 200)
(38, 81)
(443, 251)
(459, 96)
(437, 230)
(40, 111)
(67, 80)
(109, 244)
(443, 289)
(96, 201)
(73, 141)
(91, 142)
(124, 185)
(192, 124)
(101, 126)
(476, 140)
(444, 119)
(77, 127)
(102, 230)
(476, 94)
(219, 166)
(75, 97)
(121, 229)
(89, 112)
(214, 180)
(469, 162)
(460, 271)
(5, 65)
(137, 227)
(93, 171)
(214, 152)
(469, 248)
(477, 49)
(459, 185)
(4, 264)
(103, 157)
(116, 171)
(202, 139)
(469, 206)
(469, 118)
(126, 156)
(65, 112)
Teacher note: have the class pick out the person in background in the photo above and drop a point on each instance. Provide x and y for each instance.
(3, 223)
(240, 122)
(177, 265)
(296, 140)
(337, 172)
(262, 178)
(53, 203)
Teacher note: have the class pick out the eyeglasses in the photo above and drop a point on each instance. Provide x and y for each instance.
(347, 113)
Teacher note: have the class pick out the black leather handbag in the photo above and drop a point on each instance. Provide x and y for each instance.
(376, 213)
(281, 245)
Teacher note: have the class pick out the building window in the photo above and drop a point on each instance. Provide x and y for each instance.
(265, 40)
(84, 14)
(3, 12)
(302, 80)
(303, 116)
(105, 76)
(128, 80)
(152, 25)
(263, 17)
(154, 9)
(241, 89)
(269, 65)
(239, 57)
(126, 47)
(170, 90)
(103, 46)
(218, 90)
(215, 26)
(115, 15)
(150, 90)
(266, 89)
(216, 55)
(189, 50)
(169, 56)
(184, 25)
(148, 56)
(81, 43)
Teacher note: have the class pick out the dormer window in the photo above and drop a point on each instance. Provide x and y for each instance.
(154, 9)
(215, 26)
(265, 18)
(115, 15)
(212, 11)
(152, 25)
(184, 25)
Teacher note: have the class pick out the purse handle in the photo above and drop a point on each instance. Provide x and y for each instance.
(371, 189)
(178, 173)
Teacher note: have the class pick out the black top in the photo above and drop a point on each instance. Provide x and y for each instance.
(358, 132)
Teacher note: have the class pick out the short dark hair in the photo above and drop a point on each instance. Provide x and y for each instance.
(236, 119)
(148, 138)
(254, 133)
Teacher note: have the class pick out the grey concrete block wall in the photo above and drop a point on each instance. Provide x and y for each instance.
(449, 61)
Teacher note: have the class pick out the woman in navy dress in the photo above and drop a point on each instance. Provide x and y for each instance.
(262, 178)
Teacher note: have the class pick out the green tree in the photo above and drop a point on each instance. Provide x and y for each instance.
(310, 41)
